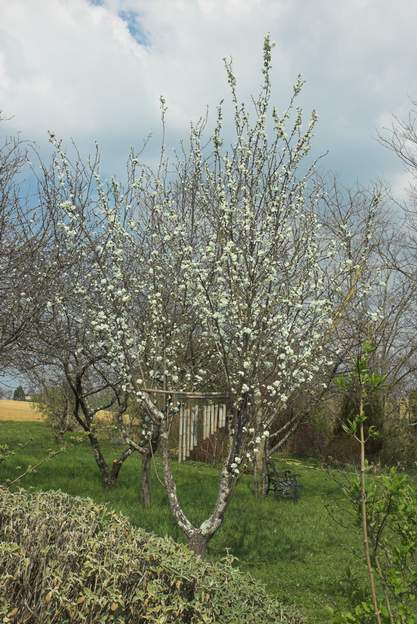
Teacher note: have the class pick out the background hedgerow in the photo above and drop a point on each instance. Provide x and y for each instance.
(67, 559)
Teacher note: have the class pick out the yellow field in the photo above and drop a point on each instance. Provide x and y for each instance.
(25, 410)
(18, 410)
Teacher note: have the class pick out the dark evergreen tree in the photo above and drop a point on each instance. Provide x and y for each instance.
(19, 394)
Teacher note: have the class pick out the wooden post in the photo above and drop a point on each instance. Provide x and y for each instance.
(194, 429)
(223, 416)
(184, 431)
(186, 409)
(208, 422)
(188, 430)
(180, 435)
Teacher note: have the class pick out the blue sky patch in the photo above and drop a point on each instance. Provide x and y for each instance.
(132, 21)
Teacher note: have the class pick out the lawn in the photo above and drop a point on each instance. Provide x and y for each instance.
(301, 551)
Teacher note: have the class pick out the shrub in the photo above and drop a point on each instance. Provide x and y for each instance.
(66, 559)
(391, 515)
(56, 404)
(399, 444)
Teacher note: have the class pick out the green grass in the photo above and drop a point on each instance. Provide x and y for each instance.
(298, 550)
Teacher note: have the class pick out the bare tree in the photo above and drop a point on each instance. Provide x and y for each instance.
(25, 275)
(384, 315)
(401, 138)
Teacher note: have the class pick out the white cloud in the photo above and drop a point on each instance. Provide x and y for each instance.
(74, 67)
(68, 66)
(404, 185)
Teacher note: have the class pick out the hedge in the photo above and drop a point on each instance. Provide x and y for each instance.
(66, 559)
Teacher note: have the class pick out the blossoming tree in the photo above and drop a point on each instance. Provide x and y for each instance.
(61, 344)
(214, 275)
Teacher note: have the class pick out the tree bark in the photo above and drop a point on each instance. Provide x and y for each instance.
(108, 475)
(198, 537)
(197, 542)
(260, 480)
(59, 436)
(118, 463)
(145, 494)
(105, 474)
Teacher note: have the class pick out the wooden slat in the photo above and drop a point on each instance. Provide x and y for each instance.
(194, 425)
(180, 433)
(188, 430)
(184, 432)
(180, 436)
(220, 416)
(198, 419)
(188, 395)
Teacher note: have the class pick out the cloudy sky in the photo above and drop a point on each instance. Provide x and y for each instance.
(94, 70)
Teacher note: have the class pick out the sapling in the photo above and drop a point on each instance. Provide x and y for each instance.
(364, 382)
(391, 517)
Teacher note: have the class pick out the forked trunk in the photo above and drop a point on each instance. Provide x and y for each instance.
(198, 537)
(198, 543)
(108, 475)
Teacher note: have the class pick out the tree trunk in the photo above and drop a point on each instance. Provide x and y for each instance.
(106, 476)
(260, 480)
(198, 537)
(145, 494)
(197, 542)
(118, 463)
(59, 436)
(260, 483)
